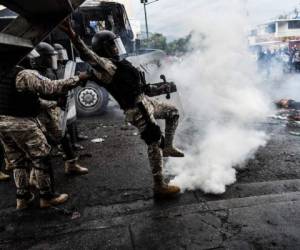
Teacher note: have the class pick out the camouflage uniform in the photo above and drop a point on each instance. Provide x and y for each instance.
(157, 110)
(104, 71)
(50, 117)
(24, 141)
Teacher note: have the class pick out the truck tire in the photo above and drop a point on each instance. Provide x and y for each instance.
(91, 100)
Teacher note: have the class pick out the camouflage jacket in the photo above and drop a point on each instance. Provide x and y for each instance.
(31, 80)
(104, 69)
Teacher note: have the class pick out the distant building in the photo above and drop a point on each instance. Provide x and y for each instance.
(281, 32)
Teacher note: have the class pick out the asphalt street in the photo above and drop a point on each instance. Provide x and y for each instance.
(113, 206)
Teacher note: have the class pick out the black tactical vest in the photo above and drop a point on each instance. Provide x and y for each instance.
(126, 84)
(14, 103)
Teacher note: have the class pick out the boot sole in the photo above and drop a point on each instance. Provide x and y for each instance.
(165, 195)
(158, 196)
(54, 204)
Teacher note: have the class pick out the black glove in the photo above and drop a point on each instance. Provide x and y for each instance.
(84, 78)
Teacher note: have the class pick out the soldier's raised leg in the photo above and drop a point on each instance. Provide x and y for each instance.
(170, 114)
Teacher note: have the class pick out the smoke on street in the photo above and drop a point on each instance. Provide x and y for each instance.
(223, 97)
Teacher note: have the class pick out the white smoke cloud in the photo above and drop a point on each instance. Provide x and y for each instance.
(222, 98)
(286, 86)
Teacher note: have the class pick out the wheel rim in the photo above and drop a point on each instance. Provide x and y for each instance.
(88, 97)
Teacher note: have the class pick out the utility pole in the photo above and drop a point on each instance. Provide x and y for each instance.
(146, 18)
(145, 3)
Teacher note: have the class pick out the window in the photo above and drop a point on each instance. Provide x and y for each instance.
(294, 24)
(253, 33)
(271, 28)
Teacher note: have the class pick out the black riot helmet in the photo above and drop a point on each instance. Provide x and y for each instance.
(106, 44)
(47, 58)
(62, 54)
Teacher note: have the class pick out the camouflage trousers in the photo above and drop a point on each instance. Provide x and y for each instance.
(156, 110)
(50, 117)
(26, 148)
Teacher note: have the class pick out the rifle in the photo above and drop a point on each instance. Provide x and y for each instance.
(160, 88)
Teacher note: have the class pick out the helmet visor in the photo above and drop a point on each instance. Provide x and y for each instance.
(119, 44)
(33, 54)
(62, 55)
(54, 62)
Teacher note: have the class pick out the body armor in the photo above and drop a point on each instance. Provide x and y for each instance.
(126, 85)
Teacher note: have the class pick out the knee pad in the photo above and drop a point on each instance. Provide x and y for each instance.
(151, 133)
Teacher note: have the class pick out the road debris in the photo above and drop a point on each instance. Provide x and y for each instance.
(97, 140)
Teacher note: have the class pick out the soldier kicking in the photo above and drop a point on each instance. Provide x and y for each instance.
(21, 133)
(123, 82)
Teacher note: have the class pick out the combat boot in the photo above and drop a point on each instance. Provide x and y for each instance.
(165, 190)
(72, 167)
(57, 199)
(162, 189)
(3, 177)
(172, 152)
(25, 203)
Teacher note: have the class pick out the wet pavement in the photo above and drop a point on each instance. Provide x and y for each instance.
(113, 207)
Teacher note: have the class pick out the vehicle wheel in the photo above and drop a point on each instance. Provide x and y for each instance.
(91, 100)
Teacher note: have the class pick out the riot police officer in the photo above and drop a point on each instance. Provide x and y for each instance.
(63, 61)
(51, 112)
(21, 133)
(122, 80)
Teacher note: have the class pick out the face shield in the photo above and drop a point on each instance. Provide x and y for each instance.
(120, 46)
(53, 61)
(47, 61)
(62, 55)
(33, 54)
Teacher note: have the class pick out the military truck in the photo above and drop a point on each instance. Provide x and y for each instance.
(90, 17)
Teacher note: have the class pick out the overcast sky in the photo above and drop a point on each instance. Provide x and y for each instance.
(165, 16)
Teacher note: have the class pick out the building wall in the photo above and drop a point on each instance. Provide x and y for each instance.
(284, 31)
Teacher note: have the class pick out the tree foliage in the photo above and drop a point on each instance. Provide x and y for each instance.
(159, 41)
